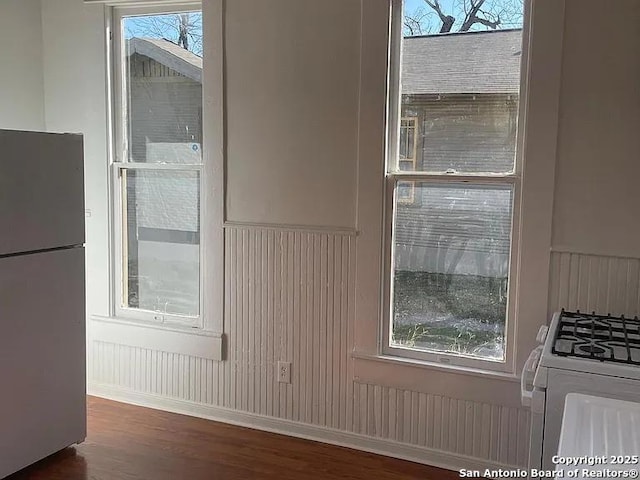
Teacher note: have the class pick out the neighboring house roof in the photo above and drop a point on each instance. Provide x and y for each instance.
(471, 62)
(169, 54)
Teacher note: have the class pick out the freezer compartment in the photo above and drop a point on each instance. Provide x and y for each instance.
(42, 356)
(41, 191)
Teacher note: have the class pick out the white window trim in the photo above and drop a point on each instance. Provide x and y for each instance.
(212, 198)
(539, 119)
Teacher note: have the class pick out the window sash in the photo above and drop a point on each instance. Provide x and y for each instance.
(119, 77)
(392, 179)
(119, 251)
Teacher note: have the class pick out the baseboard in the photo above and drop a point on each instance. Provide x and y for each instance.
(380, 446)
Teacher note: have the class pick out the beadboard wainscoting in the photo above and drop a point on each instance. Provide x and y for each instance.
(289, 297)
(493, 433)
(604, 284)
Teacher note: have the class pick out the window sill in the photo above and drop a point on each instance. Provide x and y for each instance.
(428, 377)
(184, 340)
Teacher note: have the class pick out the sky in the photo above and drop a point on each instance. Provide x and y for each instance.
(163, 26)
(451, 7)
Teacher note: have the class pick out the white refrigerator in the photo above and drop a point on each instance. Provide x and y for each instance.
(42, 296)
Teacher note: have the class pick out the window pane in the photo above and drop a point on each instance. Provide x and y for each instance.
(163, 82)
(463, 87)
(162, 241)
(451, 257)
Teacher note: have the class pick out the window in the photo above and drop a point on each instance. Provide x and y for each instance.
(408, 141)
(405, 191)
(158, 165)
(451, 204)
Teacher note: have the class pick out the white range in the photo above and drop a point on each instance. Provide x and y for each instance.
(590, 354)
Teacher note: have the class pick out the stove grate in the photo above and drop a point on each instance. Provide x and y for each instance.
(598, 337)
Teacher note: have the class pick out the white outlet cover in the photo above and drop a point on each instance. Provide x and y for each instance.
(284, 372)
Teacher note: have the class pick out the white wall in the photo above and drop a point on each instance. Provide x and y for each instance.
(21, 84)
(292, 111)
(598, 172)
(596, 225)
(75, 100)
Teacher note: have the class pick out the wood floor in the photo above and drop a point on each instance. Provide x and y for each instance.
(127, 442)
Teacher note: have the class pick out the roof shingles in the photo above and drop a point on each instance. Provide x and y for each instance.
(474, 62)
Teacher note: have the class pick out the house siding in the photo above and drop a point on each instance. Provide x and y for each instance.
(163, 214)
(165, 107)
(466, 133)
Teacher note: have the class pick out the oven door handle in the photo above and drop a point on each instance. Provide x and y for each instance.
(528, 372)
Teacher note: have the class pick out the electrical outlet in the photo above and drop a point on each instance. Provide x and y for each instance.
(284, 372)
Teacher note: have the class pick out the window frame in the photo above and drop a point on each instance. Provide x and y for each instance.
(120, 162)
(393, 175)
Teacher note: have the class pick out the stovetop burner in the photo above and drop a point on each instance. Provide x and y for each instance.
(598, 337)
(592, 349)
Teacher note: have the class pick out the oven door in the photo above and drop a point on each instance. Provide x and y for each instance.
(562, 382)
(534, 398)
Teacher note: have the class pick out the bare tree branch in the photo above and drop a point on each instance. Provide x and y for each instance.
(462, 16)
(183, 35)
(417, 22)
(488, 23)
(447, 20)
(473, 18)
(435, 4)
(412, 26)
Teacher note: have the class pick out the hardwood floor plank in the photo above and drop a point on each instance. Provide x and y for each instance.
(127, 442)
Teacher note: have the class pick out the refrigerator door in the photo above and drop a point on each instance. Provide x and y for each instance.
(41, 191)
(42, 356)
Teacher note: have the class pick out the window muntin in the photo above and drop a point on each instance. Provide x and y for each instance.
(451, 245)
(158, 166)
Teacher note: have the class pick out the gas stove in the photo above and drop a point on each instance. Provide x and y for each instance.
(597, 337)
(590, 354)
(600, 344)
